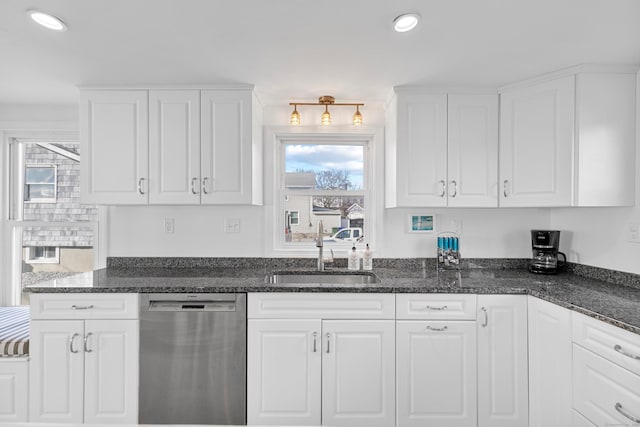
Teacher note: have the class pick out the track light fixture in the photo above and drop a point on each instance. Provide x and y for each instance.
(325, 101)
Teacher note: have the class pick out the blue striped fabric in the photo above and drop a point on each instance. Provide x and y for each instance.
(14, 331)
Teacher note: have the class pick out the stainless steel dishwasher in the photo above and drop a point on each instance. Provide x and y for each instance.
(193, 358)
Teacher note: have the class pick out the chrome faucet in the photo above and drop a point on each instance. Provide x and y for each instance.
(319, 245)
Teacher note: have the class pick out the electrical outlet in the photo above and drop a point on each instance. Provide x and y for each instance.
(168, 225)
(633, 232)
(232, 225)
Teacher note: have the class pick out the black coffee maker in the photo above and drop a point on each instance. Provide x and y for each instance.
(544, 244)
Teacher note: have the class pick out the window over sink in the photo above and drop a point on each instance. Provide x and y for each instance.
(322, 179)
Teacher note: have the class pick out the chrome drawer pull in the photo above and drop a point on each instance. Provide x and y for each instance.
(444, 188)
(73, 337)
(455, 188)
(204, 185)
(486, 317)
(86, 338)
(328, 341)
(315, 342)
(620, 350)
(624, 413)
(430, 307)
(82, 307)
(431, 328)
(140, 189)
(193, 185)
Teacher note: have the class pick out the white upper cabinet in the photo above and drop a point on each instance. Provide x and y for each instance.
(227, 168)
(473, 150)
(441, 150)
(114, 147)
(174, 147)
(202, 147)
(568, 140)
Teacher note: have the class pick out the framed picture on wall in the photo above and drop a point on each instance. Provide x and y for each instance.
(421, 223)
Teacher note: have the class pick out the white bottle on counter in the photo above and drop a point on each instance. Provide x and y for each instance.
(367, 259)
(353, 260)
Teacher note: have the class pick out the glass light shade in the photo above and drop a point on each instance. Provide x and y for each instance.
(295, 117)
(326, 117)
(48, 21)
(406, 22)
(357, 118)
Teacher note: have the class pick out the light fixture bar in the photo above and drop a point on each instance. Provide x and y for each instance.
(326, 101)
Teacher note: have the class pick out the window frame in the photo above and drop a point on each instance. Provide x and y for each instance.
(297, 217)
(53, 199)
(368, 138)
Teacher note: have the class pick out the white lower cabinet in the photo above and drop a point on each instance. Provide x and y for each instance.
(14, 389)
(550, 360)
(502, 361)
(322, 371)
(436, 373)
(83, 370)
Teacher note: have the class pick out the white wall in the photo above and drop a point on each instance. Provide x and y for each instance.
(598, 236)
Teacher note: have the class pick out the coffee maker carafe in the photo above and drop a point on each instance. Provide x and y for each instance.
(544, 245)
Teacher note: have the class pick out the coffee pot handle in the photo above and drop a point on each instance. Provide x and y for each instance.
(564, 260)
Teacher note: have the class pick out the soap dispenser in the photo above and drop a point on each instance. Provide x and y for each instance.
(353, 261)
(367, 259)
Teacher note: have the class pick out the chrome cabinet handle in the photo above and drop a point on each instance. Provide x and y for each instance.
(620, 350)
(444, 188)
(431, 328)
(431, 307)
(81, 307)
(193, 183)
(73, 337)
(504, 187)
(204, 185)
(86, 338)
(315, 342)
(486, 317)
(625, 414)
(455, 188)
(140, 182)
(328, 342)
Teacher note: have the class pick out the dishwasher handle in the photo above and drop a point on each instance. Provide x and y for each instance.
(191, 302)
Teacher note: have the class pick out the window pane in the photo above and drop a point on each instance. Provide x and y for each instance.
(336, 214)
(53, 252)
(33, 192)
(40, 174)
(324, 167)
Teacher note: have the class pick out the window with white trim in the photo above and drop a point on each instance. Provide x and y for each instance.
(40, 183)
(323, 179)
(42, 255)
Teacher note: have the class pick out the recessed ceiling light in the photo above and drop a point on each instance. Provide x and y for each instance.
(406, 22)
(46, 20)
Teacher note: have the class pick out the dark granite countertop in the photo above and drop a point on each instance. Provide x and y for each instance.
(614, 303)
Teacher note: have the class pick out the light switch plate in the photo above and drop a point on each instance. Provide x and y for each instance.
(633, 232)
(168, 225)
(232, 225)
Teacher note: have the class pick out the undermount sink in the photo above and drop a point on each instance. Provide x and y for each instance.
(321, 278)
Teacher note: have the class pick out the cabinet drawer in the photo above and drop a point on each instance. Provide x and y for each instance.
(610, 342)
(436, 306)
(84, 306)
(320, 306)
(603, 392)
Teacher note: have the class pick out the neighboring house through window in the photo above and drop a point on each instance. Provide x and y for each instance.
(295, 217)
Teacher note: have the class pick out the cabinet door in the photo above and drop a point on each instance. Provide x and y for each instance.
(358, 373)
(536, 144)
(421, 150)
(56, 380)
(226, 147)
(283, 372)
(549, 364)
(111, 371)
(114, 147)
(436, 373)
(174, 147)
(472, 150)
(14, 390)
(502, 361)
